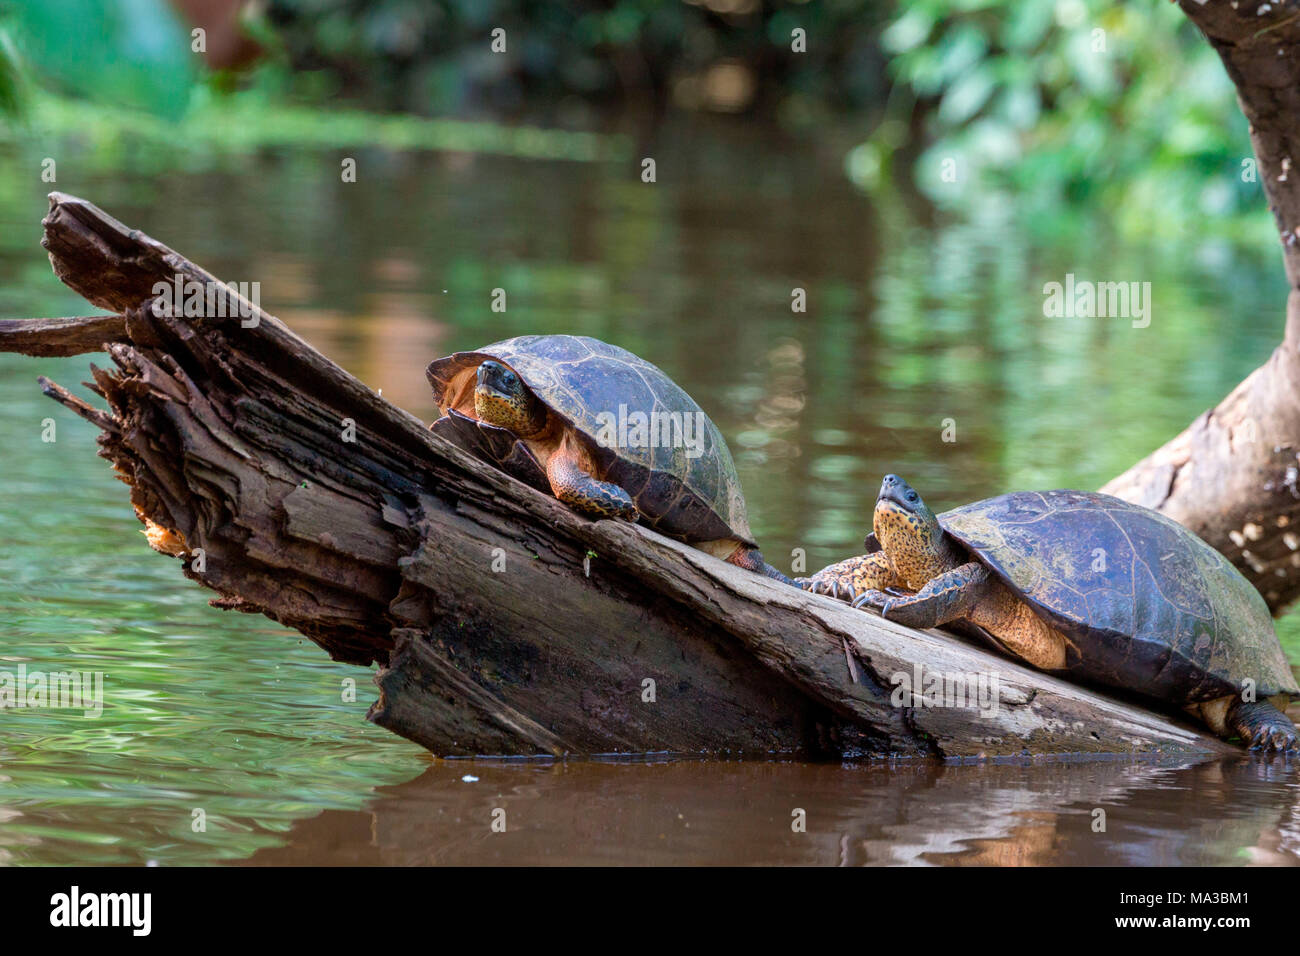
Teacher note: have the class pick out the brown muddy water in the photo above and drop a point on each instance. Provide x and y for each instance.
(1101, 812)
(917, 326)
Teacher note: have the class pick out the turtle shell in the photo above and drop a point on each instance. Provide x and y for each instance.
(593, 386)
(1148, 605)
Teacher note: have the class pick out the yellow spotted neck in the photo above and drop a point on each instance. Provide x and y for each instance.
(917, 551)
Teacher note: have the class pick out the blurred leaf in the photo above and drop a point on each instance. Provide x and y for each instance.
(130, 52)
(10, 78)
(908, 31)
(1070, 100)
(1020, 105)
(960, 50)
(967, 96)
(1027, 24)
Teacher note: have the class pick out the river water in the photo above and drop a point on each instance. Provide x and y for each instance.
(227, 738)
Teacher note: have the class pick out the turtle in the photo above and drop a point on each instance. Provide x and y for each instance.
(604, 431)
(1085, 585)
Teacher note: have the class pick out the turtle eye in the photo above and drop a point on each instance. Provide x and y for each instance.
(911, 496)
(508, 378)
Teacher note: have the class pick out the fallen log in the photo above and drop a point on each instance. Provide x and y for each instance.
(501, 621)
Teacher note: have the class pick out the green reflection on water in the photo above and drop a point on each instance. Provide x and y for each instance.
(908, 326)
(230, 714)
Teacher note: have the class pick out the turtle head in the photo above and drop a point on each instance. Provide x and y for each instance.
(909, 533)
(501, 398)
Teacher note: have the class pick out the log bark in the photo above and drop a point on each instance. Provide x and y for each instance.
(1232, 476)
(501, 621)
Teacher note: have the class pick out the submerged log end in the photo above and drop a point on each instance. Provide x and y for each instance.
(467, 717)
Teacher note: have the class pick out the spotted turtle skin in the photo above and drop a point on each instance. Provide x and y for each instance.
(1144, 603)
(579, 378)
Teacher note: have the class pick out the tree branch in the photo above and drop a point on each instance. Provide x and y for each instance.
(53, 337)
(1232, 475)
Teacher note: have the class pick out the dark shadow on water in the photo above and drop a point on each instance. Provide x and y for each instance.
(1113, 812)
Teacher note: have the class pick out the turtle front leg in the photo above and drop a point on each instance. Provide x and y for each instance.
(943, 599)
(1261, 725)
(851, 578)
(573, 485)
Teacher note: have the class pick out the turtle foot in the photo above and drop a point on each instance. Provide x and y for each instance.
(873, 598)
(827, 585)
(1264, 728)
(1275, 741)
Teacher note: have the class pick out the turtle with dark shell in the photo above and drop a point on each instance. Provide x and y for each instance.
(604, 431)
(1086, 585)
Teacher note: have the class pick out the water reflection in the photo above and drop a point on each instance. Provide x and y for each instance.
(1237, 811)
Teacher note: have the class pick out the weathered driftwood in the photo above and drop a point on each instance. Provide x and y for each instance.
(587, 637)
(1233, 476)
(71, 336)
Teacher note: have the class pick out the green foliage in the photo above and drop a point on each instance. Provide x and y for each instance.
(434, 55)
(131, 53)
(11, 100)
(1064, 101)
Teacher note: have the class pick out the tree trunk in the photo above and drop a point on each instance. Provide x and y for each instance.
(1232, 475)
(502, 622)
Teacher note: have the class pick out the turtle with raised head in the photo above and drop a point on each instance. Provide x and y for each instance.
(1087, 585)
(604, 431)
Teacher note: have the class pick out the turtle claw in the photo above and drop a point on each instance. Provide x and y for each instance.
(819, 585)
(813, 585)
(839, 590)
(872, 598)
(1283, 742)
(1278, 742)
(832, 587)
